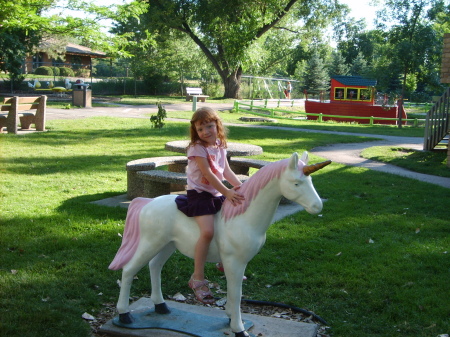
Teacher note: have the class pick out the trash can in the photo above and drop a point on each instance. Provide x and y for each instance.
(82, 96)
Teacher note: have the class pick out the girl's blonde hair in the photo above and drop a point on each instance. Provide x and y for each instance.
(207, 115)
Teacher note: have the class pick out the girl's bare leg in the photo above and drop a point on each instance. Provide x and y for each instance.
(206, 224)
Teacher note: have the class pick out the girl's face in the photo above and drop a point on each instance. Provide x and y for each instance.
(207, 132)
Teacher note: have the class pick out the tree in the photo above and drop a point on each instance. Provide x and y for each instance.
(19, 21)
(338, 65)
(227, 33)
(359, 66)
(315, 77)
(411, 34)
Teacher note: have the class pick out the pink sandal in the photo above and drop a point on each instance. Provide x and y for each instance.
(204, 296)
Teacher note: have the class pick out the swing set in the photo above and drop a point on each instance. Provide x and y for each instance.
(255, 87)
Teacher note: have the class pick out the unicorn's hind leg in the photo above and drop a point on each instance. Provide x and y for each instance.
(125, 286)
(156, 265)
(137, 262)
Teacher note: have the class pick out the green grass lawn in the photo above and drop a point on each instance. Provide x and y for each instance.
(374, 263)
(427, 162)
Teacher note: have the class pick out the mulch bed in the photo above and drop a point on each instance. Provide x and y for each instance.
(109, 311)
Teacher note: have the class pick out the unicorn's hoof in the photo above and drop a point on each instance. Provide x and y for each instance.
(242, 334)
(162, 308)
(126, 318)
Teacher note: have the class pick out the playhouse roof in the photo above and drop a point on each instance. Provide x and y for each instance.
(355, 80)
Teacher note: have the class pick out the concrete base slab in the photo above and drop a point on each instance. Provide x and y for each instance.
(202, 321)
(117, 201)
(283, 210)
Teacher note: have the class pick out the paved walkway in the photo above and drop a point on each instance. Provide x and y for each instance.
(348, 154)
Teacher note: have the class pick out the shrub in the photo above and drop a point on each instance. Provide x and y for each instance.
(154, 83)
(83, 72)
(158, 120)
(212, 88)
(47, 71)
(56, 71)
(66, 72)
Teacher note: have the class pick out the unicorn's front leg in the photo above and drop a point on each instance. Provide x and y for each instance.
(234, 273)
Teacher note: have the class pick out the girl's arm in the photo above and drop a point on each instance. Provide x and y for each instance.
(230, 176)
(230, 194)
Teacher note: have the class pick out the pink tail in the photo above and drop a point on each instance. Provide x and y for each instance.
(130, 240)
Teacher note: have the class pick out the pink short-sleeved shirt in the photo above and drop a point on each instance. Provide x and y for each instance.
(216, 156)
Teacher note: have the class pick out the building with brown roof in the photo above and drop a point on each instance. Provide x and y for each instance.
(75, 56)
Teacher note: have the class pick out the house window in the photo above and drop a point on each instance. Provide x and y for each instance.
(365, 94)
(338, 93)
(38, 60)
(351, 94)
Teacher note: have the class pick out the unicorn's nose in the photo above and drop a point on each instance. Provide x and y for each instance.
(315, 208)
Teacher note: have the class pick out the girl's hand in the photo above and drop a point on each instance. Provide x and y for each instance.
(234, 197)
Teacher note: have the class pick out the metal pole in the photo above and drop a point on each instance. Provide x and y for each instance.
(194, 103)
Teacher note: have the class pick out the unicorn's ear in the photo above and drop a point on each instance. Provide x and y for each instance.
(305, 157)
(293, 162)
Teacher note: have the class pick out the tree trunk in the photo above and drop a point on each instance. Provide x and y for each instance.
(232, 84)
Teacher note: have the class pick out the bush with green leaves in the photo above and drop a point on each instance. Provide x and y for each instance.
(56, 71)
(44, 70)
(158, 120)
(66, 72)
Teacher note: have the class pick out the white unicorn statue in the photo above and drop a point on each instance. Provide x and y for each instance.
(155, 229)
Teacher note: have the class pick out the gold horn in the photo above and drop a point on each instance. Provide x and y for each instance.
(307, 170)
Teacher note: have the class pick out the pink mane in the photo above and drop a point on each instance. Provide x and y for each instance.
(251, 187)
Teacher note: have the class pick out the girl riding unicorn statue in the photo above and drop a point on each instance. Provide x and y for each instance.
(212, 223)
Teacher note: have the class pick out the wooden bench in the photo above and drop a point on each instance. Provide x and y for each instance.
(14, 107)
(158, 182)
(197, 92)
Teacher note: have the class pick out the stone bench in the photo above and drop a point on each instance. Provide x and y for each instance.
(176, 164)
(257, 119)
(21, 108)
(135, 186)
(242, 165)
(158, 182)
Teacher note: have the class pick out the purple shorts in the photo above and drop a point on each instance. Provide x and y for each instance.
(196, 204)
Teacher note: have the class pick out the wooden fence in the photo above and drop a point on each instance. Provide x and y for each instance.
(276, 112)
(437, 122)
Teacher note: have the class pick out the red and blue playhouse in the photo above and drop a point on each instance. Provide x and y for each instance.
(353, 96)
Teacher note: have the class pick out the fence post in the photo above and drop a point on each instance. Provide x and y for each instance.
(278, 105)
(251, 105)
(371, 121)
(416, 122)
(320, 117)
(236, 106)
(265, 104)
(194, 103)
(292, 105)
